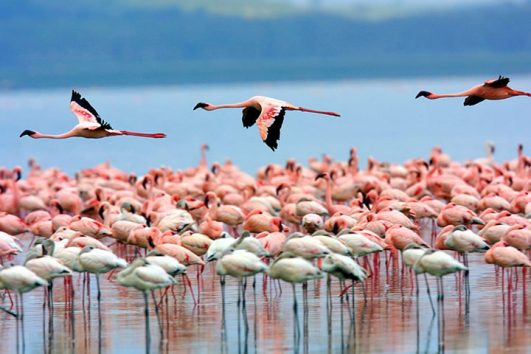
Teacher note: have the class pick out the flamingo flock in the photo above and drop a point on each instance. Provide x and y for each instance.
(294, 224)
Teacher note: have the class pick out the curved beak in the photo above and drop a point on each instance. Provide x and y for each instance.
(422, 94)
(320, 175)
(200, 105)
(26, 132)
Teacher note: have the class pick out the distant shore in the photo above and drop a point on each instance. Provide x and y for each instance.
(205, 72)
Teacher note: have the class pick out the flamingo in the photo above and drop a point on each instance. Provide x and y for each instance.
(90, 125)
(504, 255)
(496, 89)
(343, 267)
(169, 264)
(268, 114)
(145, 277)
(306, 247)
(438, 264)
(98, 261)
(216, 248)
(238, 263)
(293, 269)
(48, 268)
(21, 280)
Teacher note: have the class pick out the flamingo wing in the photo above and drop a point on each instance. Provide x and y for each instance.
(85, 113)
(498, 83)
(472, 100)
(269, 124)
(249, 116)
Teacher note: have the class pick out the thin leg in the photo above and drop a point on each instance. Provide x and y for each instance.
(146, 314)
(429, 295)
(98, 286)
(159, 321)
(22, 322)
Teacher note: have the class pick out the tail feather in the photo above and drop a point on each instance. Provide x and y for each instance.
(144, 135)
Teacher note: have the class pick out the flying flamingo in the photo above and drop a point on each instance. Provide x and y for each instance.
(490, 90)
(268, 114)
(90, 125)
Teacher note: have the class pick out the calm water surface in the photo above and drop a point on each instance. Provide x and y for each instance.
(491, 321)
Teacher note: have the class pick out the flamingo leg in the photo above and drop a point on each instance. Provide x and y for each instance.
(157, 314)
(429, 295)
(146, 316)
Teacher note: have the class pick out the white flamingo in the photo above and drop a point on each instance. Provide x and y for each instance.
(90, 125)
(97, 261)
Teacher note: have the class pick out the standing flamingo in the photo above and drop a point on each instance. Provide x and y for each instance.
(21, 280)
(438, 264)
(490, 90)
(268, 114)
(90, 125)
(145, 277)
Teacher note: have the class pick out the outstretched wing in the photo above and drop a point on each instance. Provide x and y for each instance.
(472, 100)
(249, 116)
(84, 112)
(499, 82)
(269, 124)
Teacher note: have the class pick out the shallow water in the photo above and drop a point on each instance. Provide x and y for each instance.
(492, 320)
(380, 117)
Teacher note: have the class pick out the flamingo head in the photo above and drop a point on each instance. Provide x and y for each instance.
(426, 94)
(323, 175)
(27, 132)
(203, 105)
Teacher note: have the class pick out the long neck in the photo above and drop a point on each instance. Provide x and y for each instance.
(66, 135)
(458, 94)
(328, 196)
(203, 162)
(229, 105)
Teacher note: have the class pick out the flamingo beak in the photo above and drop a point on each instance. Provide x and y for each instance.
(26, 132)
(200, 105)
(423, 94)
(320, 175)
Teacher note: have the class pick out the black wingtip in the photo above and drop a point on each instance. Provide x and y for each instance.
(76, 96)
(200, 105)
(26, 132)
(423, 94)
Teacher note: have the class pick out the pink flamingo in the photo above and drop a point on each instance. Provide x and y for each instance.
(267, 113)
(490, 90)
(90, 125)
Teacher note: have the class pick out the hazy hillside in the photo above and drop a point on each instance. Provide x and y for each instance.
(101, 42)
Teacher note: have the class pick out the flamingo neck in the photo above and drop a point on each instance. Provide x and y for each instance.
(444, 95)
(328, 196)
(66, 135)
(203, 162)
(228, 105)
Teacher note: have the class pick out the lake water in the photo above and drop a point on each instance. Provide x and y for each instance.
(490, 321)
(380, 117)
